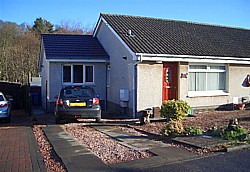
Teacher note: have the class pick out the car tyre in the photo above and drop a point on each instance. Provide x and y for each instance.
(58, 120)
(8, 120)
(98, 119)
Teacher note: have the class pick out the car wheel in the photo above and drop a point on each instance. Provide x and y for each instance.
(58, 120)
(8, 120)
(98, 119)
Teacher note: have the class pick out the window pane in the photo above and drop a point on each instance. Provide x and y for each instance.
(197, 67)
(77, 93)
(66, 73)
(78, 74)
(216, 81)
(218, 67)
(191, 83)
(200, 81)
(89, 77)
(1, 98)
(197, 81)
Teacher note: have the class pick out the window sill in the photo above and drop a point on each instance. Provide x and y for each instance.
(207, 93)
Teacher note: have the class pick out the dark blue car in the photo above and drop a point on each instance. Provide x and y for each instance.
(75, 102)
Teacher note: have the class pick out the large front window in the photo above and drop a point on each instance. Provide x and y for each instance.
(207, 78)
(78, 74)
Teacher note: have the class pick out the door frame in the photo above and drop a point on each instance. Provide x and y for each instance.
(177, 65)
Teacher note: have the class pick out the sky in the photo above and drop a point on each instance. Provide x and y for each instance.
(233, 13)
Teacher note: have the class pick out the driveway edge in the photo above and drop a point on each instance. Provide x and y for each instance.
(35, 155)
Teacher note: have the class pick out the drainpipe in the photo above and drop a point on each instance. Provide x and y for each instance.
(135, 84)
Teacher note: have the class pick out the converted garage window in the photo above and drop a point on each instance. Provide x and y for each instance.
(89, 74)
(66, 73)
(78, 74)
(207, 77)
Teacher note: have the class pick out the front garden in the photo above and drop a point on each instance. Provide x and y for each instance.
(233, 126)
(213, 123)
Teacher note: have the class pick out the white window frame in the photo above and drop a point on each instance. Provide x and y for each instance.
(84, 77)
(208, 70)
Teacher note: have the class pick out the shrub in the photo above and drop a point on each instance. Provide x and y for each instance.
(238, 134)
(174, 109)
(192, 131)
(173, 128)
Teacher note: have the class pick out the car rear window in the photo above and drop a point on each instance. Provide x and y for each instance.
(82, 92)
(1, 98)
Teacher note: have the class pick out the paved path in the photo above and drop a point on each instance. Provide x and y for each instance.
(165, 153)
(19, 151)
(76, 157)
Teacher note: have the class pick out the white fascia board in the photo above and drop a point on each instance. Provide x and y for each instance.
(97, 26)
(78, 61)
(116, 35)
(191, 58)
(41, 57)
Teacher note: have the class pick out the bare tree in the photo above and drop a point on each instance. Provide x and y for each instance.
(20, 47)
(71, 27)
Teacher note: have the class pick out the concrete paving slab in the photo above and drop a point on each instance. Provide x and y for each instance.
(172, 154)
(201, 141)
(140, 164)
(135, 142)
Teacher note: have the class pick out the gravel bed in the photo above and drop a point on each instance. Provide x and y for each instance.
(107, 149)
(110, 151)
(51, 160)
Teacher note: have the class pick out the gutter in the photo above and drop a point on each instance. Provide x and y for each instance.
(192, 58)
(135, 84)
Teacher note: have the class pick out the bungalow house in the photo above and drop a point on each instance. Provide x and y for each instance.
(152, 60)
(71, 60)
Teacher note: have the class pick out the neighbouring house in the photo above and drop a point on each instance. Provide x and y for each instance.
(152, 60)
(157, 60)
(71, 60)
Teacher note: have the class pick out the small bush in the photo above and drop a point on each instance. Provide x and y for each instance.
(173, 129)
(238, 134)
(174, 109)
(192, 131)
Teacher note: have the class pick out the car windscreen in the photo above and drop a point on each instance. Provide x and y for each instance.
(1, 98)
(75, 93)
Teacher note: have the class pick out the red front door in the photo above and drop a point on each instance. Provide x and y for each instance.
(169, 81)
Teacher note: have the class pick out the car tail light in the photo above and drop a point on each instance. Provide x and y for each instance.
(59, 102)
(77, 116)
(95, 101)
(3, 105)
